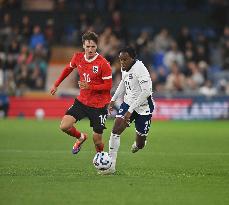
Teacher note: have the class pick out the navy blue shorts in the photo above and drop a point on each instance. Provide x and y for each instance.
(142, 122)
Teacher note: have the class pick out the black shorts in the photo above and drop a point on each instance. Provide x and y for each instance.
(97, 116)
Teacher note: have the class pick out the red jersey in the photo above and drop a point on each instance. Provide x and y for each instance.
(97, 73)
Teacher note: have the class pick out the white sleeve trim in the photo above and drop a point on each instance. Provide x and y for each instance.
(71, 65)
(106, 78)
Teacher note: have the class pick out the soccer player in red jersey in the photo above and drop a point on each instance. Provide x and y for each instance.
(95, 84)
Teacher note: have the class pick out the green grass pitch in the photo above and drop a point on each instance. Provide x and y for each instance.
(184, 163)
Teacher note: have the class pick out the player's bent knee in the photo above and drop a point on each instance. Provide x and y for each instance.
(98, 130)
(117, 130)
(64, 127)
(119, 126)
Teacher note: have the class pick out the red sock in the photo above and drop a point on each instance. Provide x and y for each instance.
(99, 147)
(74, 132)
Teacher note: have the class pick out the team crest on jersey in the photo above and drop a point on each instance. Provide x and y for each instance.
(130, 76)
(95, 69)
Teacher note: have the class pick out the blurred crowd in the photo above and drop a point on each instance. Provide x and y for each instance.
(24, 54)
(183, 63)
(190, 61)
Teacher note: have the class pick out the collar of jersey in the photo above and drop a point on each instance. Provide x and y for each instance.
(90, 60)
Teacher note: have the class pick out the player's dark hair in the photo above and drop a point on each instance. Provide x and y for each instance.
(130, 51)
(90, 36)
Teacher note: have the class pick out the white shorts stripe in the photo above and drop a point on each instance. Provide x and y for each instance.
(106, 78)
(141, 134)
(121, 116)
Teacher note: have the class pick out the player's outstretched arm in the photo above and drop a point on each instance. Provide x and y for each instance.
(67, 70)
(120, 91)
(53, 90)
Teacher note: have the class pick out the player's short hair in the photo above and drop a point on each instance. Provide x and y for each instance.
(90, 36)
(131, 51)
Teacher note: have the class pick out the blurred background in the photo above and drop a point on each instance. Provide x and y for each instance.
(183, 43)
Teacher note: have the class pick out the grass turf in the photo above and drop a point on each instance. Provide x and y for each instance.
(184, 162)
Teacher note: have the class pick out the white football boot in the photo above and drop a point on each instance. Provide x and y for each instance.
(134, 148)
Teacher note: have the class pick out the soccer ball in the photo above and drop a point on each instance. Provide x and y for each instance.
(102, 161)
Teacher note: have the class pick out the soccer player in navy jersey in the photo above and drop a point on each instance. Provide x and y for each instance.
(95, 84)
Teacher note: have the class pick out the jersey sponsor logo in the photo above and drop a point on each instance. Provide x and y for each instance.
(95, 69)
(130, 76)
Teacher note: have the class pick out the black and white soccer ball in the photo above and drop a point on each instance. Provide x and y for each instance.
(102, 161)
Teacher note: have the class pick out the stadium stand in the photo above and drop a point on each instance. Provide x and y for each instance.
(185, 44)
